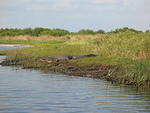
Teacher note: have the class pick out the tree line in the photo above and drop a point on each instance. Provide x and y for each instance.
(58, 32)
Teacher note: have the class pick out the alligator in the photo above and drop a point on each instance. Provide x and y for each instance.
(48, 59)
(65, 57)
(7, 62)
(2, 54)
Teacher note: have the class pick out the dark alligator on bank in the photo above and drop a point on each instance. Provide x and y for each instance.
(12, 61)
(66, 57)
(48, 59)
(2, 54)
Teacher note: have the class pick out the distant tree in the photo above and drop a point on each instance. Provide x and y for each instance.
(147, 31)
(100, 32)
(125, 29)
(37, 31)
(86, 31)
(27, 31)
(55, 32)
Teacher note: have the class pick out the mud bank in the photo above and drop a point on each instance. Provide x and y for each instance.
(106, 72)
(112, 73)
(92, 71)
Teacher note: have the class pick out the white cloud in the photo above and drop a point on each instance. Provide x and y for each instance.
(106, 1)
(58, 5)
(78, 12)
(146, 6)
(62, 5)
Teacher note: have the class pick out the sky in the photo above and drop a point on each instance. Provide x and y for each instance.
(74, 15)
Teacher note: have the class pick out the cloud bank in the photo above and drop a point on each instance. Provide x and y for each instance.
(75, 14)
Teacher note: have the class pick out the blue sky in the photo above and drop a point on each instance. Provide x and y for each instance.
(75, 14)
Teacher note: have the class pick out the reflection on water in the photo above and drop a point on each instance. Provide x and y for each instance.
(30, 91)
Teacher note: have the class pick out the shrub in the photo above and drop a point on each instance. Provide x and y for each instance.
(100, 32)
(33, 32)
(86, 31)
(125, 29)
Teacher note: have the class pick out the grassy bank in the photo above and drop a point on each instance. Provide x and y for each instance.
(122, 57)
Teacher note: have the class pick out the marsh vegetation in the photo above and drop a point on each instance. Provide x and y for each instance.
(126, 50)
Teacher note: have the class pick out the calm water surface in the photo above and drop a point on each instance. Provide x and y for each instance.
(32, 91)
(5, 47)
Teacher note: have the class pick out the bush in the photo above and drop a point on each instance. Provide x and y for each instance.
(86, 31)
(125, 29)
(147, 31)
(33, 32)
(55, 32)
(100, 32)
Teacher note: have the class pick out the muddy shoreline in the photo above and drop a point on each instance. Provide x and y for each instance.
(92, 71)
(111, 73)
(106, 72)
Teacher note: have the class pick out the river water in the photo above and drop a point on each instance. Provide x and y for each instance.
(32, 91)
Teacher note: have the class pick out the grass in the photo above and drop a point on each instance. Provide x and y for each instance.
(31, 42)
(128, 50)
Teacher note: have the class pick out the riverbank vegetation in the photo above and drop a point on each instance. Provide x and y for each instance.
(123, 54)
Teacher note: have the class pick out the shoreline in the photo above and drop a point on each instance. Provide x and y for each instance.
(64, 67)
(105, 72)
(111, 73)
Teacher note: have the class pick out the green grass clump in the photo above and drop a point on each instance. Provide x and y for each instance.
(31, 42)
(137, 73)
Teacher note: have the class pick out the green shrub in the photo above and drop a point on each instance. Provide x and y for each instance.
(100, 32)
(33, 32)
(125, 29)
(86, 31)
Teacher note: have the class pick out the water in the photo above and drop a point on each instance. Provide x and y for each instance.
(32, 91)
(7, 46)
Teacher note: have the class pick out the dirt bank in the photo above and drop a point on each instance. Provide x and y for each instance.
(106, 72)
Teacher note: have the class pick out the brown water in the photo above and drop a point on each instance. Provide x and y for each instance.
(32, 91)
